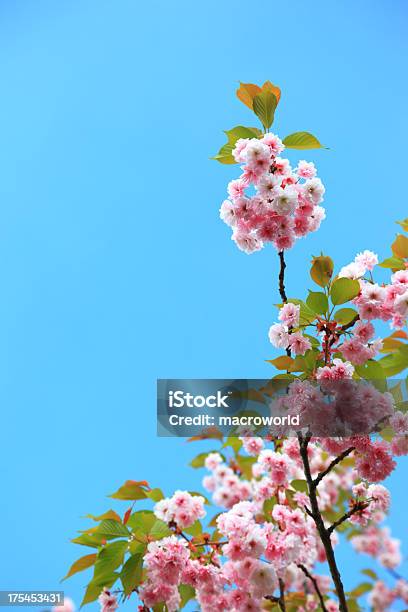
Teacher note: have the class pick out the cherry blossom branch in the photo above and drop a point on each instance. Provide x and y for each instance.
(320, 526)
(314, 582)
(333, 464)
(281, 600)
(358, 507)
(282, 290)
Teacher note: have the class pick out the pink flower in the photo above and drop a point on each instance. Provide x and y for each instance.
(183, 508)
(400, 277)
(401, 304)
(277, 465)
(252, 445)
(364, 331)
(314, 190)
(399, 423)
(263, 579)
(340, 370)
(212, 461)
(367, 260)
(247, 242)
(380, 496)
(355, 351)
(239, 150)
(376, 463)
(299, 344)
(282, 167)
(236, 189)
(399, 446)
(274, 143)
(227, 213)
(289, 314)
(279, 336)
(318, 215)
(285, 200)
(352, 270)
(107, 601)
(306, 170)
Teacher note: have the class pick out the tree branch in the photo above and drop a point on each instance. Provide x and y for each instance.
(282, 291)
(314, 582)
(333, 464)
(318, 519)
(359, 506)
(281, 602)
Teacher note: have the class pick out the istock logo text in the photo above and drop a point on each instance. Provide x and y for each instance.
(179, 399)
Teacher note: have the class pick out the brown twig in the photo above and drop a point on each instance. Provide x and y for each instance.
(359, 506)
(329, 468)
(315, 584)
(281, 601)
(282, 290)
(320, 526)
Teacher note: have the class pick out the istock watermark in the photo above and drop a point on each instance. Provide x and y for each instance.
(270, 408)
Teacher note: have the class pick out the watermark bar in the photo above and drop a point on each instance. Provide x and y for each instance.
(31, 598)
(276, 407)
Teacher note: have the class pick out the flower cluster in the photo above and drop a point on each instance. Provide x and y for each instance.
(284, 204)
(281, 334)
(382, 302)
(165, 561)
(183, 509)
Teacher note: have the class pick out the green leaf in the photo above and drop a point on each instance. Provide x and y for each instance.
(345, 315)
(110, 527)
(224, 155)
(343, 290)
(396, 362)
(371, 370)
(110, 514)
(96, 585)
(322, 270)
(233, 442)
(264, 105)
(403, 224)
(131, 490)
(268, 507)
(282, 363)
(155, 494)
(159, 530)
(186, 593)
(393, 263)
(92, 540)
(195, 529)
(110, 557)
(353, 605)
(131, 574)
(81, 564)
(302, 140)
(318, 302)
(245, 465)
(361, 589)
(142, 520)
(240, 131)
(370, 573)
(300, 485)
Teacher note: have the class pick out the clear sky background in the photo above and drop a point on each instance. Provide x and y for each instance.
(114, 267)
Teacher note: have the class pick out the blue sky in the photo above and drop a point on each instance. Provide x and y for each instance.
(114, 267)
